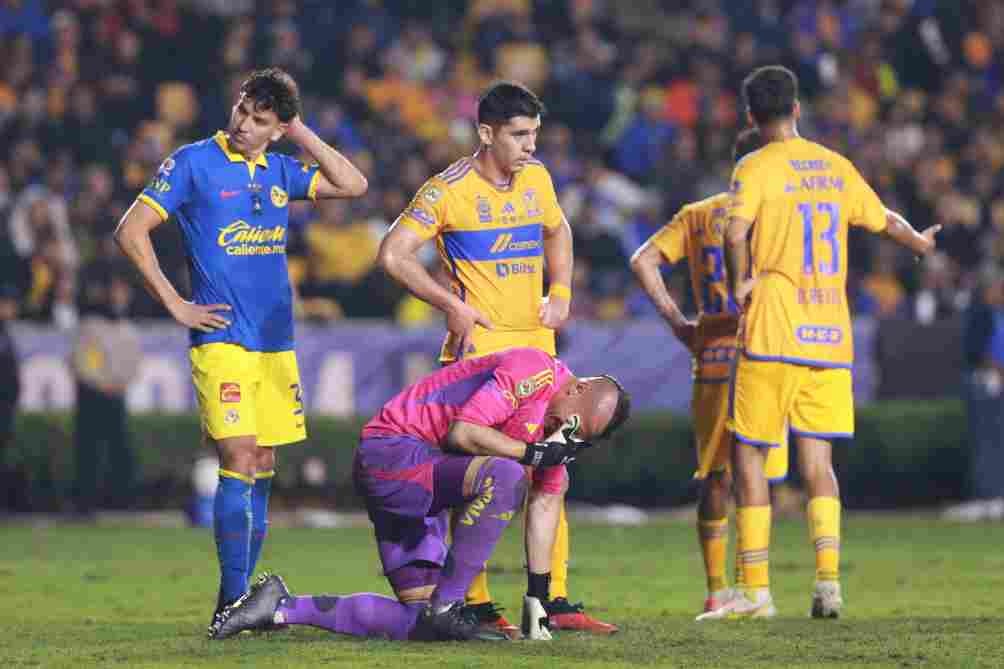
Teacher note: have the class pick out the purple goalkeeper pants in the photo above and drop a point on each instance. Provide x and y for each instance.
(407, 484)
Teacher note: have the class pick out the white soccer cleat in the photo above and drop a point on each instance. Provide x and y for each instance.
(826, 600)
(758, 604)
(535, 622)
(719, 598)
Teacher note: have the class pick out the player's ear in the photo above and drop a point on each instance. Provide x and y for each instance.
(796, 110)
(486, 133)
(279, 131)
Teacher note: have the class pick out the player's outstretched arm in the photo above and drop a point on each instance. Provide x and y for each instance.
(398, 256)
(558, 254)
(645, 264)
(899, 230)
(339, 177)
(133, 237)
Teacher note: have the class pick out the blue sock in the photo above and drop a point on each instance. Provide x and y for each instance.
(232, 527)
(259, 517)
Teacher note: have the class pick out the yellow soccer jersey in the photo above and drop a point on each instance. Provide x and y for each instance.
(491, 241)
(696, 233)
(801, 198)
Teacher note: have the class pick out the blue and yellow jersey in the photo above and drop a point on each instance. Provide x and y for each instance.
(234, 216)
(801, 198)
(491, 240)
(696, 233)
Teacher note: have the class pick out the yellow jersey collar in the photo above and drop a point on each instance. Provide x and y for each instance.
(221, 140)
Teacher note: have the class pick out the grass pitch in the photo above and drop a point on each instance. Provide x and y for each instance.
(919, 593)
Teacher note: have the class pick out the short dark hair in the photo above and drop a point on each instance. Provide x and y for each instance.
(621, 412)
(747, 141)
(770, 93)
(504, 100)
(273, 89)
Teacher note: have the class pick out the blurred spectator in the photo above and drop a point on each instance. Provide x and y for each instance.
(94, 95)
(106, 356)
(11, 480)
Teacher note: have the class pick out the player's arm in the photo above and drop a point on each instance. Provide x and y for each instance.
(646, 263)
(900, 231)
(737, 258)
(475, 439)
(339, 177)
(398, 256)
(558, 255)
(133, 237)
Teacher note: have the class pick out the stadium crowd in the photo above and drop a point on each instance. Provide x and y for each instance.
(643, 104)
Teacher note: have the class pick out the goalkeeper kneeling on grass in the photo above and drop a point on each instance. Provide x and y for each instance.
(457, 439)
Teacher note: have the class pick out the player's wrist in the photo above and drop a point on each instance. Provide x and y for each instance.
(560, 291)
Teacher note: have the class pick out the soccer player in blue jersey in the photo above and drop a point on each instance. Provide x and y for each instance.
(231, 198)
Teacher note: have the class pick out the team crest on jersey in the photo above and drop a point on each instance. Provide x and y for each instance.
(531, 427)
(230, 392)
(279, 197)
(532, 384)
(231, 417)
(422, 216)
(484, 210)
(432, 195)
(166, 167)
(530, 200)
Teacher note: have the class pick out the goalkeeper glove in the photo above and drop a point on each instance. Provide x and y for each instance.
(558, 449)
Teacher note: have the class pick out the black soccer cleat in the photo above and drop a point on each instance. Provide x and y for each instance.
(253, 611)
(456, 623)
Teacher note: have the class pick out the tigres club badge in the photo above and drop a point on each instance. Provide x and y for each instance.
(484, 210)
(279, 197)
(525, 388)
(230, 392)
(232, 416)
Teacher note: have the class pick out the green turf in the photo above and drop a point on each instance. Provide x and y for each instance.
(918, 592)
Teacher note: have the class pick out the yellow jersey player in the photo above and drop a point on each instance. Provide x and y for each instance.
(695, 234)
(791, 204)
(498, 228)
(230, 199)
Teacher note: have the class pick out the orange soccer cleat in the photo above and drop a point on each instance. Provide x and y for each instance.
(566, 616)
(490, 617)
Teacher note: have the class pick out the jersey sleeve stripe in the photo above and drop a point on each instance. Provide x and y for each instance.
(457, 176)
(153, 204)
(454, 168)
(312, 188)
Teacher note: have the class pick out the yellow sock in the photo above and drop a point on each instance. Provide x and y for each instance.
(559, 558)
(714, 538)
(740, 578)
(478, 592)
(753, 539)
(824, 530)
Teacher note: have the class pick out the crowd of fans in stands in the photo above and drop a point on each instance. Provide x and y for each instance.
(643, 107)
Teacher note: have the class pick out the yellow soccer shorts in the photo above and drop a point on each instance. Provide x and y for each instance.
(244, 393)
(768, 397)
(484, 342)
(710, 410)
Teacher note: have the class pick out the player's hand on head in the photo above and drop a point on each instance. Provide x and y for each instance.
(553, 312)
(202, 317)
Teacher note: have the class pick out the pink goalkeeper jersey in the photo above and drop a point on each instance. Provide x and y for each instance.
(508, 391)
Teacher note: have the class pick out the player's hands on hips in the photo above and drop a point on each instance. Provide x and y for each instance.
(460, 322)
(200, 316)
(686, 331)
(712, 326)
(743, 292)
(553, 312)
(558, 449)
